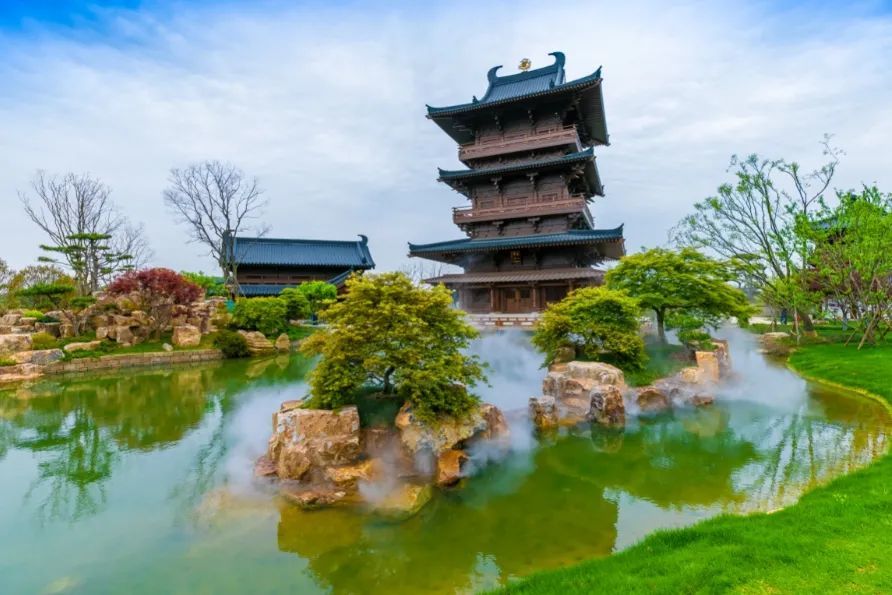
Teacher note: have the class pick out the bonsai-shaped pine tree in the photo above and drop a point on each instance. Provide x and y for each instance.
(685, 289)
(90, 257)
(60, 296)
(599, 323)
(403, 340)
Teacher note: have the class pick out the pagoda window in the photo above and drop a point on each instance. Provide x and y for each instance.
(516, 257)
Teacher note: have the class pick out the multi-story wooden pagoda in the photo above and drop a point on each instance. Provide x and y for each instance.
(529, 147)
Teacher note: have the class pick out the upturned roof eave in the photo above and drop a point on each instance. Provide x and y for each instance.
(595, 236)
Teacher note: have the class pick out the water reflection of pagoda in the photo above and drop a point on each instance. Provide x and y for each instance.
(529, 147)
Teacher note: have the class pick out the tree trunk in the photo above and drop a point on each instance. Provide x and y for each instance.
(388, 387)
(661, 325)
(807, 324)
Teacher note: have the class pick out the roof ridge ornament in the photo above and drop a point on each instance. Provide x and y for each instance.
(525, 64)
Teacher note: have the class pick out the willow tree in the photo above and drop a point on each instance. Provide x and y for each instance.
(753, 220)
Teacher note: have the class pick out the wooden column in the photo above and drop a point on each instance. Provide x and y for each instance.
(493, 299)
(535, 289)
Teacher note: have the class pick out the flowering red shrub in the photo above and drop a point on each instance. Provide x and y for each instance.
(156, 291)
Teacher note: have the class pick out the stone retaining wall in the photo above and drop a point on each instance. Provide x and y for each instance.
(129, 360)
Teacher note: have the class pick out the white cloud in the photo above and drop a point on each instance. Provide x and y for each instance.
(326, 106)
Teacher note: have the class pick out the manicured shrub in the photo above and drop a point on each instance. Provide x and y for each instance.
(43, 341)
(32, 314)
(265, 314)
(232, 344)
(213, 286)
(46, 318)
(401, 339)
(602, 324)
(296, 303)
(319, 294)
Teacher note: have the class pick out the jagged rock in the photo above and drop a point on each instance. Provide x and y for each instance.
(66, 329)
(283, 343)
(10, 318)
(708, 364)
(40, 357)
(346, 477)
(486, 422)
(306, 438)
(564, 354)
(543, 412)
(13, 343)
(27, 323)
(167, 347)
(85, 346)
(50, 328)
(576, 379)
(404, 501)
(257, 343)
(124, 336)
(775, 343)
(449, 467)
(701, 400)
(606, 406)
(652, 400)
(19, 373)
(141, 318)
(689, 375)
(264, 467)
(314, 497)
(102, 332)
(186, 336)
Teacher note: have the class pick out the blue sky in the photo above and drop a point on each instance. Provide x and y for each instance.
(324, 102)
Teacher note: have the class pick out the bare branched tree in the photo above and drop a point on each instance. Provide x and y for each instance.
(71, 207)
(131, 240)
(217, 201)
(419, 270)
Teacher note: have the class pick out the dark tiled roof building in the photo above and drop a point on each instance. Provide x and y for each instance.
(266, 266)
(528, 145)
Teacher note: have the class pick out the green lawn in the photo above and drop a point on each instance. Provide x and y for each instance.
(837, 538)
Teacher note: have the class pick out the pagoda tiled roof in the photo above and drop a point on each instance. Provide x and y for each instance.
(302, 252)
(567, 238)
(523, 86)
(585, 156)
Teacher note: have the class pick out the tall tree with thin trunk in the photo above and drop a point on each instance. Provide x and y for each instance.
(752, 222)
(216, 201)
(71, 207)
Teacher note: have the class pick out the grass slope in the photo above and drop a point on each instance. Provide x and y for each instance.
(835, 539)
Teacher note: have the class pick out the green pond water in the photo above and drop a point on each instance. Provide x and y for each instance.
(142, 483)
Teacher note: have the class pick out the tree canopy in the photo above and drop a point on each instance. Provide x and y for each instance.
(399, 338)
(684, 288)
(600, 323)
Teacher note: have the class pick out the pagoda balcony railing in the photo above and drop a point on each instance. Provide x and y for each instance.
(489, 147)
(573, 204)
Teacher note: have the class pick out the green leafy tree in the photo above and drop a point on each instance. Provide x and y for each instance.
(296, 303)
(213, 286)
(753, 220)
(600, 323)
(265, 314)
(405, 340)
(319, 294)
(680, 286)
(851, 260)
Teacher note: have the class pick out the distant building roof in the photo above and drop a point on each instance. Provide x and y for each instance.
(299, 252)
(541, 82)
(585, 157)
(566, 238)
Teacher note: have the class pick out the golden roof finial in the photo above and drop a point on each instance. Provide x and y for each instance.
(525, 64)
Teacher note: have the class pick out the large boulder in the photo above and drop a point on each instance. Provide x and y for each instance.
(13, 343)
(19, 373)
(606, 406)
(10, 318)
(775, 343)
(283, 343)
(305, 439)
(347, 477)
(543, 412)
(41, 357)
(186, 335)
(652, 400)
(258, 344)
(449, 466)
(708, 364)
(485, 422)
(576, 379)
(84, 346)
(404, 500)
(124, 335)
